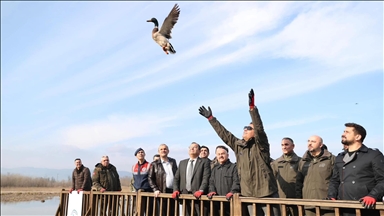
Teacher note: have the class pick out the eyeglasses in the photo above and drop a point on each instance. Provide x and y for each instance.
(105, 160)
(248, 128)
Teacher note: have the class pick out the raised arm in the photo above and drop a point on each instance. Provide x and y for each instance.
(227, 137)
(260, 135)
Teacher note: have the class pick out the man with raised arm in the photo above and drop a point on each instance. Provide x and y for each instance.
(252, 157)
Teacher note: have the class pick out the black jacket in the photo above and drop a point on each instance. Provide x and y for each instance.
(224, 179)
(157, 175)
(362, 176)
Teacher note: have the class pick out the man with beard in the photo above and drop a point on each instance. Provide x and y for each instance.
(252, 156)
(358, 173)
(314, 172)
(285, 171)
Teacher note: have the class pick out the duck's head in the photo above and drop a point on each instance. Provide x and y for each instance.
(154, 20)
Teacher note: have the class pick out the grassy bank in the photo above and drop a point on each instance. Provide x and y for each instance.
(19, 188)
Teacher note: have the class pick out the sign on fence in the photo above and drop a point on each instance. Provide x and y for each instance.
(75, 203)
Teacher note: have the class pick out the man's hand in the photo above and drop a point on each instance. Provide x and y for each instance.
(70, 190)
(329, 198)
(175, 195)
(102, 190)
(78, 190)
(251, 101)
(210, 195)
(198, 194)
(367, 202)
(206, 113)
(157, 193)
(229, 196)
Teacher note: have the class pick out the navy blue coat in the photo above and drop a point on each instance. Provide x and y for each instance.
(361, 176)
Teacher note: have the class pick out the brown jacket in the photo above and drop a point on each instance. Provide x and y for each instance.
(313, 175)
(106, 177)
(157, 176)
(252, 158)
(285, 172)
(81, 179)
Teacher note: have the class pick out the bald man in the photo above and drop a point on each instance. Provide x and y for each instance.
(315, 170)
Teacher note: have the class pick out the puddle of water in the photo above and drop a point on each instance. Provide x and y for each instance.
(49, 207)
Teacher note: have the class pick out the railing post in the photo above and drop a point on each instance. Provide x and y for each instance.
(138, 203)
(236, 203)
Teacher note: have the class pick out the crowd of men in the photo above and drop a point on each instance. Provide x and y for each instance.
(357, 173)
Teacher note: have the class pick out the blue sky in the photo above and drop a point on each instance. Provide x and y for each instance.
(85, 79)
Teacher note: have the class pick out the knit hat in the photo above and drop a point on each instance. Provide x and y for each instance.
(137, 151)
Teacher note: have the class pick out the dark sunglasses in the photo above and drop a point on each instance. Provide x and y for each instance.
(248, 128)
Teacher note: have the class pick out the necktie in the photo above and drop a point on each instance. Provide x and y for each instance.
(189, 176)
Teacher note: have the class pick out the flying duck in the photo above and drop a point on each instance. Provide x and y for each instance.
(161, 37)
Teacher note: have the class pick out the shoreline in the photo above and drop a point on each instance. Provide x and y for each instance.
(25, 194)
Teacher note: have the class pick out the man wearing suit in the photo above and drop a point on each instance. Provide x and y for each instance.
(192, 177)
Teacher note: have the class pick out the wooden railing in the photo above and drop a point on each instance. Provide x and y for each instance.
(129, 204)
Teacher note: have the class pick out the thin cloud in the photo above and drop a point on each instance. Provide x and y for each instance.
(297, 122)
(113, 129)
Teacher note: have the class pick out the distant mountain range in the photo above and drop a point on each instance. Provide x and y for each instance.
(57, 174)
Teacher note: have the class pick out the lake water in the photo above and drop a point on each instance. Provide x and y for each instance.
(49, 207)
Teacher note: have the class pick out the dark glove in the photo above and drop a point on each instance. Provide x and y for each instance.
(210, 195)
(175, 195)
(206, 113)
(102, 190)
(78, 190)
(198, 194)
(367, 202)
(329, 198)
(70, 190)
(251, 101)
(229, 196)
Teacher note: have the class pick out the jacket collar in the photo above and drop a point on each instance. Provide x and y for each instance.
(324, 155)
(226, 164)
(363, 148)
(282, 159)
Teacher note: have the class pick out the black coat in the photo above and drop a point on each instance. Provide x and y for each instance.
(224, 179)
(361, 176)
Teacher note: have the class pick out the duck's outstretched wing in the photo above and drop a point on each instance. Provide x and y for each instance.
(170, 21)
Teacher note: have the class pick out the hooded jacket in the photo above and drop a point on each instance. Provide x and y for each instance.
(106, 177)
